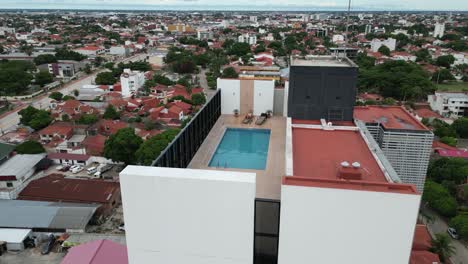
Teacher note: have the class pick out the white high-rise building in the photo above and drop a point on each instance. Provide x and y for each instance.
(131, 81)
(248, 38)
(253, 18)
(439, 30)
(368, 29)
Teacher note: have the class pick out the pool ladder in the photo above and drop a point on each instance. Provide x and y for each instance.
(225, 165)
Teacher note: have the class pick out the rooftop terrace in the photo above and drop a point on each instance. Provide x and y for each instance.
(391, 117)
(322, 61)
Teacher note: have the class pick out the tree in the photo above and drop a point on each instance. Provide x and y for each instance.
(122, 146)
(111, 113)
(109, 65)
(106, 78)
(239, 49)
(30, 147)
(184, 66)
(442, 246)
(152, 147)
(397, 79)
(259, 49)
(461, 127)
(448, 169)
(45, 58)
(87, 69)
(87, 119)
(230, 72)
(184, 81)
(198, 99)
(451, 141)
(445, 61)
(442, 75)
(66, 54)
(57, 96)
(28, 49)
(27, 115)
(161, 79)
(384, 50)
(439, 198)
(43, 77)
(365, 61)
(423, 55)
(15, 77)
(460, 223)
(40, 120)
(68, 97)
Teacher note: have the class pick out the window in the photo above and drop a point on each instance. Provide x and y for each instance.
(9, 184)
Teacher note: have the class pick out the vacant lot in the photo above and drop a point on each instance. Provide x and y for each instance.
(455, 87)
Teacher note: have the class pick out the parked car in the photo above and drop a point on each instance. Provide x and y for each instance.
(91, 170)
(65, 167)
(76, 169)
(122, 227)
(452, 232)
(101, 169)
(48, 245)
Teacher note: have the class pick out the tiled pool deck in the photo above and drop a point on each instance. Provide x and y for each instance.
(268, 180)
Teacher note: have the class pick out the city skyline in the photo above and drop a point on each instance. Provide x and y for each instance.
(294, 5)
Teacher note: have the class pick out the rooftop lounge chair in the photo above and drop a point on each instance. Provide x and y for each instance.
(261, 119)
(248, 118)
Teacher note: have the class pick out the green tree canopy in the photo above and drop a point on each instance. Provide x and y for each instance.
(106, 78)
(122, 146)
(40, 120)
(111, 113)
(461, 127)
(43, 77)
(439, 198)
(423, 55)
(66, 54)
(445, 61)
(442, 246)
(57, 96)
(460, 223)
(198, 99)
(45, 58)
(30, 147)
(15, 77)
(442, 75)
(239, 49)
(87, 119)
(384, 50)
(229, 72)
(448, 169)
(152, 147)
(397, 79)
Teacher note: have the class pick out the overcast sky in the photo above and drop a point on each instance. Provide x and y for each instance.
(461, 5)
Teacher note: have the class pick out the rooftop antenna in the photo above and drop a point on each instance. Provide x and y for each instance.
(347, 28)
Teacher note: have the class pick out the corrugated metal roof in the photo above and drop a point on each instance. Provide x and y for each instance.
(19, 165)
(34, 214)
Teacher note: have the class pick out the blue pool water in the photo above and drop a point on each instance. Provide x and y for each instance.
(242, 149)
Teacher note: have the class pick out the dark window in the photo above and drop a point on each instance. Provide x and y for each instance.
(9, 184)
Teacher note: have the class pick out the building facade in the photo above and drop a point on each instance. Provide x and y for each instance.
(449, 104)
(131, 81)
(322, 87)
(406, 143)
(439, 30)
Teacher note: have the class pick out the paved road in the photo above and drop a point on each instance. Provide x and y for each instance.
(204, 83)
(10, 121)
(437, 226)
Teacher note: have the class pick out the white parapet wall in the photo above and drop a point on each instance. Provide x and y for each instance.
(230, 95)
(188, 216)
(264, 91)
(330, 226)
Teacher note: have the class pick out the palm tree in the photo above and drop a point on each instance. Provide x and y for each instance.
(442, 246)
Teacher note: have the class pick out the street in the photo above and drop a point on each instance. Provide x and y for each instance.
(9, 121)
(437, 226)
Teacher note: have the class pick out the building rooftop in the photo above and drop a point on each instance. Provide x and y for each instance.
(20, 165)
(98, 251)
(337, 157)
(56, 187)
(35, 214)
(391, 117)
(322, 61)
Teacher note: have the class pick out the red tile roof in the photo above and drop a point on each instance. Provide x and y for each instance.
(68, 156)
(66, 130)
(421, 244)
(57, 188)
(391, 117)
(452, 153)
(426, 113)
(94, 144)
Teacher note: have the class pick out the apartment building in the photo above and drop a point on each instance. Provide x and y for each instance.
(449, 104)
(295, 189)
(406, 142)
(439, 30)
(131, 81)
(251, 39)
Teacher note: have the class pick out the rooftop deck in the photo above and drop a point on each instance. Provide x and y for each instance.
(268, 180)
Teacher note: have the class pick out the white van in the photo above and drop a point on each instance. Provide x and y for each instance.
(91, 170)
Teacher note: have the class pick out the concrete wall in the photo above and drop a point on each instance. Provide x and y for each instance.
(246, 96)
(230, 95)
(330, 226)
(188, 216)
(278, 102)
(263, 96)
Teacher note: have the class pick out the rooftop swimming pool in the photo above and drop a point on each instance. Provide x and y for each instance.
(242, 148)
